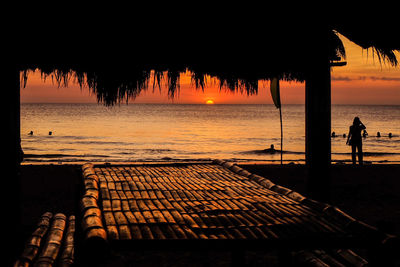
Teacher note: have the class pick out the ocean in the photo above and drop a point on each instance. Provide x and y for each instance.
(144, 132)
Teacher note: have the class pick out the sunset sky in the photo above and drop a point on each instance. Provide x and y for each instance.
(363, 81)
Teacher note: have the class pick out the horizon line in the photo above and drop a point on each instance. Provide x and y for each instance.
(152, 103)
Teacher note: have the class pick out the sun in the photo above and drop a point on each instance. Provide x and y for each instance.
(209, 102)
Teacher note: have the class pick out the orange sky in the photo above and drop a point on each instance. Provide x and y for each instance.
(363, 81)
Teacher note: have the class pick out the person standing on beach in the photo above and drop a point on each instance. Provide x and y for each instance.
(355, 141)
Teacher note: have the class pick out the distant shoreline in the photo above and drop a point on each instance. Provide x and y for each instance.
(170, 103)
(239, 162)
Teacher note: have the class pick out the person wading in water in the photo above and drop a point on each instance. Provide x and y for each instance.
(355, 141)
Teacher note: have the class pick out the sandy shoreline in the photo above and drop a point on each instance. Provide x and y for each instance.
(370, 193)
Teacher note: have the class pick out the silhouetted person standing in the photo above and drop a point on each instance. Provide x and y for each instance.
(355, 141)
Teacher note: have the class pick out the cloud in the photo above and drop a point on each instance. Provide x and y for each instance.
(364, 78)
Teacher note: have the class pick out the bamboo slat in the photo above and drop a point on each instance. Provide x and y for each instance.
(88, 202)
(307, 258)
(32, 246)
(52, 245)
(124, 232)
(350, 257)
(112, 232)
(67, 255)
(146, 232)
(135, 231)
(200, 201)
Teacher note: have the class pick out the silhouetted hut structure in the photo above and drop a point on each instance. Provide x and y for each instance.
(116, 63)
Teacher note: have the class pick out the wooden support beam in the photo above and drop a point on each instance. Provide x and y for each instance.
(11, 161)
(318, 124)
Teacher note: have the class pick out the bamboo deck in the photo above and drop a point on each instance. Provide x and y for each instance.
(204, 201)
(51, 244)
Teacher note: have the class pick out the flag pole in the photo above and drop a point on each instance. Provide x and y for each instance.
(280, 117)
(275, 93)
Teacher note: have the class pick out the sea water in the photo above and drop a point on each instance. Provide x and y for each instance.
(142, 132)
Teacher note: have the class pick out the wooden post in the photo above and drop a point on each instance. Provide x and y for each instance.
(318, 122)
(11, 158)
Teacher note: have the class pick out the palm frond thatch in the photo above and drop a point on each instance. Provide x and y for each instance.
(238, 66)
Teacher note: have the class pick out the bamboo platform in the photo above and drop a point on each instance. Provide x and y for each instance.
(51, 244)
(214, 204)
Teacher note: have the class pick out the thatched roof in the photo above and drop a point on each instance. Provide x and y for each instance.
(117, 65)
(382, 36)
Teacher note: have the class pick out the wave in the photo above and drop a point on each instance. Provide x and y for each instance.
(277, 151)
(33, 156)
(370, 154)
(271, 152)
(79, 140)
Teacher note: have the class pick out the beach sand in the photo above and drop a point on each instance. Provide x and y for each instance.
(53, 188)
(370, 193)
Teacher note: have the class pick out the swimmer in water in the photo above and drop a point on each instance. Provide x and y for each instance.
(270, 150)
